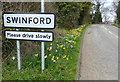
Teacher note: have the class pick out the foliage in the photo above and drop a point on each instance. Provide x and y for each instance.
(84, 17)
(117, 25)
(70, 15)
(118, 12)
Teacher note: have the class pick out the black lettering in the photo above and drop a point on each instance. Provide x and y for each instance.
(8, 20)
(24, 20)
(23, 35)
(35, 20)
(14, 19)
(8, 34)
(44, 36)
(40, 36)
(13, 35)
(42, 20)
(48, 20)
(19, 35)
(30, 19)
(36, 36)
(32, 36)
(29, 35)
(19, 20)
(49, 37)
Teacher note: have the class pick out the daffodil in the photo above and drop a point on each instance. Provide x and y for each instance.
(13, 58)
(53, 57)
(74, 42)
(69, 41)
(56, 51)
(64, 57)
(71, 46)
(46, 56)
(67, 59)
(57, 44)
(36, 55)
(50, 48)
(54, 60)
(47, 48)
(51, 44)
(57, 58)
(61, 46)
(64, 48)
(66, 42)
(66, 39)
(50, 54)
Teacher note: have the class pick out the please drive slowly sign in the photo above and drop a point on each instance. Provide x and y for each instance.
(22, 35)
(39, 20)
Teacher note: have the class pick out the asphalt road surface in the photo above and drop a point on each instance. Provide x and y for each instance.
(99, 55)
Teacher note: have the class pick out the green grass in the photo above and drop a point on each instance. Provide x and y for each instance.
(117, 25)
(65, 47)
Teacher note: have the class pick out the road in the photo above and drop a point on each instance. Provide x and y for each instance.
(99, 55)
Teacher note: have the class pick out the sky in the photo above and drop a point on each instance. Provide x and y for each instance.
(110, 15)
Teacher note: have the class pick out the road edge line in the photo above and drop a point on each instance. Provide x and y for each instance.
(78, 75)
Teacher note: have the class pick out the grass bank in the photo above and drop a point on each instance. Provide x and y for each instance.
(61, 58)
(117, 25)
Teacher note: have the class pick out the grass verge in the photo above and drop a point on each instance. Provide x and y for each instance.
(60, 59)
(117, 25)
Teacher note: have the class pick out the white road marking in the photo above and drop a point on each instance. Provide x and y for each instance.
(106, 29)
(111, 32)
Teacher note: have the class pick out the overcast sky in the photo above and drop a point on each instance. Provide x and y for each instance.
(110, 15)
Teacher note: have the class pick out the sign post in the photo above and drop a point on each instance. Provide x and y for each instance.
(30, 20)
(18, 54)
(42, 43)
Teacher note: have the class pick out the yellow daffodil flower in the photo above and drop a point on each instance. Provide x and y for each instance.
(64, 48)
(66, 42)
(57, 58)
(67, 59)
(64, 57)
(61, 46)
(36, 55)
(54, 60)
(50, 54)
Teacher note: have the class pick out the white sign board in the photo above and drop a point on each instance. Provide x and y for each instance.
(22, 35)
(39, 20)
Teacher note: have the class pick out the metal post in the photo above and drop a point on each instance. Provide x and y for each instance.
(18, 54)
(42, 6)
(42, 43)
